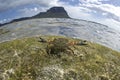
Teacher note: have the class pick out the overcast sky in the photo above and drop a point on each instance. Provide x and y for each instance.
(103, 11)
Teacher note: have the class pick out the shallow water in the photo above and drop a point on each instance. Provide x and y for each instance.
(82, 29)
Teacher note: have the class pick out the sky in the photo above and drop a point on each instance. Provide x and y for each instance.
(102, 11)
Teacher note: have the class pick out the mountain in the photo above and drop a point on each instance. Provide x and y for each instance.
(57, 58)
(54, 12)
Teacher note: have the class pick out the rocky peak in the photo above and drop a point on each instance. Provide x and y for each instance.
(54, 12)
(57, 10)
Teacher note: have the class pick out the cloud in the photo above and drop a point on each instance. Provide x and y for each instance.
(92, 1)
(8, 4)
(78, 12)
(105, 7)
(28, 11)
(104, 14)
(103, 10)
(89, 1)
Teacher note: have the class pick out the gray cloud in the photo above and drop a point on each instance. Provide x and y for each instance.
(8, 4)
